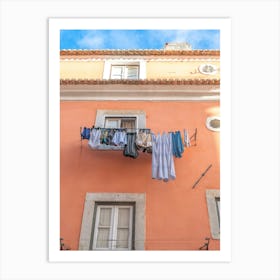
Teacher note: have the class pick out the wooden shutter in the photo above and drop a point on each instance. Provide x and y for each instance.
(113, 227)
(124, 228)
(103, 227)
(132, 72)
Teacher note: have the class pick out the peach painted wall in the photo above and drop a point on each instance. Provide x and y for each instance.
(74, 69)
(176, 214)
(179, 70)
(81, 69)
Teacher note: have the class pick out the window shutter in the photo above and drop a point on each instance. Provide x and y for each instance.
(132, 72)
(124, 228)
(104, 221)
(113, 227)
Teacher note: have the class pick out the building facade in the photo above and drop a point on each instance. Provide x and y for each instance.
(109, 201)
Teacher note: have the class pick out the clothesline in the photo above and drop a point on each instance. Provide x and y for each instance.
(193, 136)
(121, 128)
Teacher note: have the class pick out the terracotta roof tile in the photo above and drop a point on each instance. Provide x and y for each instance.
(140, 82)
(140, 52)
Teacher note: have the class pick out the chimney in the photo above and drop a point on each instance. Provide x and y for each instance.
(177, 46)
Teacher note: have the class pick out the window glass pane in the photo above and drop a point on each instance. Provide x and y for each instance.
(105, 217)
(123, 217)
(122, 238)
(217, 199)
(112, 123)
(218, 204)
(103, 238)
(117, 72)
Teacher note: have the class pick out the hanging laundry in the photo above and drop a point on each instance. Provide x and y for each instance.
(144, 141)
(187, 141)
(177, 144)
(94, 140)
(104, 137)
(86, 133)
(162, 157)
(110, 137)
(130, 149)
(119, 138)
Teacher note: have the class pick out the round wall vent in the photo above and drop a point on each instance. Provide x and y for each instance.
(207, 69)
(213, 123)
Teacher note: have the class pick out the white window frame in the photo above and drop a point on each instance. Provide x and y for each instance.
(214, 216)
(93, 199)
(101, 116)
(124, 71)
(113, 229)
(114, 62)
(119, 119)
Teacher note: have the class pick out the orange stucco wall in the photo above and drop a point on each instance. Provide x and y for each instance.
(176, 214)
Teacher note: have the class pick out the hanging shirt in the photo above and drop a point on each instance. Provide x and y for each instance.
(130, 149)
(144, 141)
(177, 144)
(162, 157)
(104, 136)
(120, 138)
(187, 141)
(85, 133)
(94, 140)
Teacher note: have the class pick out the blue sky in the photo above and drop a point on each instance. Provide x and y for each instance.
(137, 39)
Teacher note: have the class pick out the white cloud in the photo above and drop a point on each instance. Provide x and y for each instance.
(91, 40)
(133, 39)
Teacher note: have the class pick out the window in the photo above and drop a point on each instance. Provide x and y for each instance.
(132, 69)
(120, 122)
(113, 221)
(213, 205)
(129, 119)
(130, 72)
(120, 118)
(113, 227)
